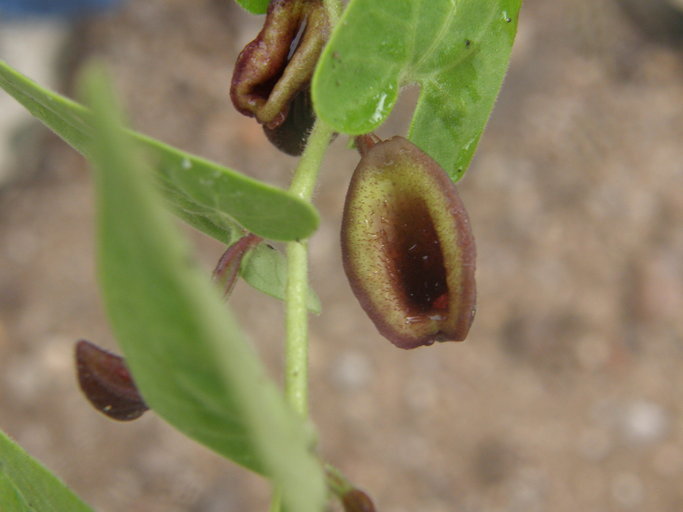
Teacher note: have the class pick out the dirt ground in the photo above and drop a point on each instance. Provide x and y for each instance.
(564, 398)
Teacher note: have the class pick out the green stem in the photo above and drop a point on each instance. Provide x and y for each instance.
(296, 322)
(336, 481)
(296, 296)
(306, 172)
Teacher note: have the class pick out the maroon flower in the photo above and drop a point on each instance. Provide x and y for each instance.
(407, 245)
(279, 63)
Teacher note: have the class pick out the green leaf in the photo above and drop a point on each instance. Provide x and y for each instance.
(211, 198)
(187, 356)
(214, 199)
(265, 268)
(10, 497)
(254, 6)
(25, 485)
(456, 50)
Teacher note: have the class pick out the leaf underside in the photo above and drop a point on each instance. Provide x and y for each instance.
(214, 199)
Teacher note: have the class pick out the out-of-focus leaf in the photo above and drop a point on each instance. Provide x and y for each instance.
(186, 353)
(26, 486)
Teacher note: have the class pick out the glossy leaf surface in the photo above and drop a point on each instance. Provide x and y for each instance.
(27, 486)
(456, 50)
(185, 351)
(209, 197)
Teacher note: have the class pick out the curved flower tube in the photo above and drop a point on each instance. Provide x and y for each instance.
(279, 63)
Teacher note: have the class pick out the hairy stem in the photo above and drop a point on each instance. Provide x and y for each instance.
(296, 312)
(306, 172)
(296, 296)
(296, 322)
(336, 481)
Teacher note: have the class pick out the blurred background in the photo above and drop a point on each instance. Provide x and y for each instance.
(565, 396)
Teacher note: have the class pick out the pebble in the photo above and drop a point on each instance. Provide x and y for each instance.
(644, 422)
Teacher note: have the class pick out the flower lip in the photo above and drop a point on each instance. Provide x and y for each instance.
(291, 135)
(414, 252)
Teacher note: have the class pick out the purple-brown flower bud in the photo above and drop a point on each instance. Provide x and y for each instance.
(228, 265)
(279, 63)
(407, 245)
(357, 501)
(106, 382)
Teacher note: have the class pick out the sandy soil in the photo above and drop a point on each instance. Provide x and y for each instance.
(565, 396)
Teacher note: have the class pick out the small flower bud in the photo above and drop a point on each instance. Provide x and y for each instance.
(357, 501)
(228, 265)
(106, 382)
